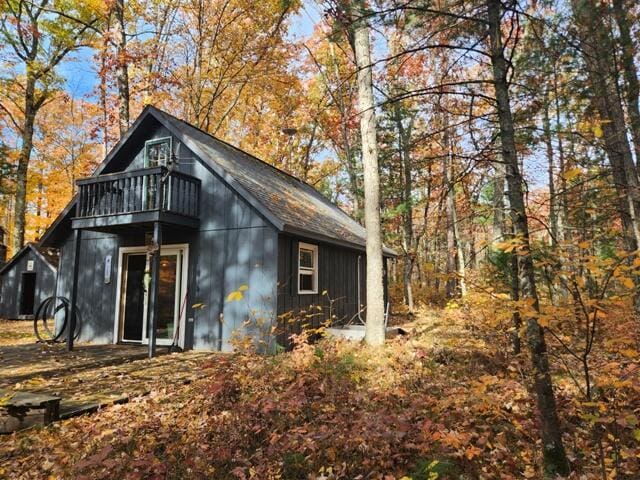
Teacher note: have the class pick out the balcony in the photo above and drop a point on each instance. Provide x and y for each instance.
(137, 197)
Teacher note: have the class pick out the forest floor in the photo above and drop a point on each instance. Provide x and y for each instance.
(16, 332)
(447, 400)
(92, 376)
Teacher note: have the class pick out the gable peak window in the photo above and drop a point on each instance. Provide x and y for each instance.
(157, 152)
(307, 268)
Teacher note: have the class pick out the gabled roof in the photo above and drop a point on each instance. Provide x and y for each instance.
(290, 204)
(49, 256)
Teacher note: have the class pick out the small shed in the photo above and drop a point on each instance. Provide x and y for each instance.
(26, 280)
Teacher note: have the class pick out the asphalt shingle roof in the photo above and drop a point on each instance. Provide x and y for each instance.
(296, 204)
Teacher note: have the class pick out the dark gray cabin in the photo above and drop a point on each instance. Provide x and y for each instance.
(242, 245)
(26, 280)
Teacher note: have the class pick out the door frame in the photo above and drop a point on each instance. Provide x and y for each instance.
(122, 280)
(182, 313)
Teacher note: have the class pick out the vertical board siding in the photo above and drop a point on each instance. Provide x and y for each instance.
(228, 260)
(11, 290)
(233, 238)
(337, 276)
(96, 299)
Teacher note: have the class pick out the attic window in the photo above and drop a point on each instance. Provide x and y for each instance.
(157, 152)
(307, 268)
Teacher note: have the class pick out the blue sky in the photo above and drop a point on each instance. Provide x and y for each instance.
(80, 75)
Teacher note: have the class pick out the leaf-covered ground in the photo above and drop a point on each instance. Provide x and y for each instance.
(446, 401)
(93, 376)
(16, 332)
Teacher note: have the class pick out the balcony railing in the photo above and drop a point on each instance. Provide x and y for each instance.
(153, 189)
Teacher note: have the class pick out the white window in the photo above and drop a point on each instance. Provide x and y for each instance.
(307, 268)
(157, 152)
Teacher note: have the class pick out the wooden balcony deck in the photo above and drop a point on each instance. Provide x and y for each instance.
(143, 196)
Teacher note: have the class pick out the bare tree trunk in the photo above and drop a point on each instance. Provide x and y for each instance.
(562, 212)
(553, 199)
(354, 184)
(451, 283)
(455, 252)
(554, 455)
(350, 161)
(620, 13)
(30, 110)
(122, 68)
(103, 95)
(306, 161)
(450, 266)
(596, 45)
(497, 227)
(39, 205)
(375, 328)
(407, 275)
(460, 257)
(473, 254)
(515, 296)
(422, 279)
(404, 154)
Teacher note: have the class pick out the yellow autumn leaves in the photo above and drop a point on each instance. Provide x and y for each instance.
(238, 294)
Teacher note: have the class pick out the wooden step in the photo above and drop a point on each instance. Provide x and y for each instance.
(19, 404)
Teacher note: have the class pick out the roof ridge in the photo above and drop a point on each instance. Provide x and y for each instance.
(28, 245)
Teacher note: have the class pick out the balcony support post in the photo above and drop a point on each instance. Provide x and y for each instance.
(153, 288)
(73, 297)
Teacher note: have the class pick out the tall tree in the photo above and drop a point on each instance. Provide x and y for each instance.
(352, 18)
(405, 157)
(554, 211)
(39, 38)
(621, 13)
(122, 67)
(455, 284)
(375, 328)
(597, 50)
(555, 458)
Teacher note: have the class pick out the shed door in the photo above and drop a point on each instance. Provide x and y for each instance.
(133, 297)
(28, 293)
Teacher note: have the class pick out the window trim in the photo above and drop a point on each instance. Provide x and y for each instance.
(155, 141)
(313, 271)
